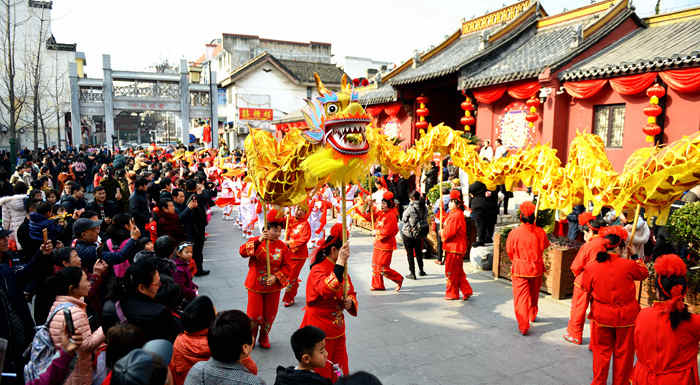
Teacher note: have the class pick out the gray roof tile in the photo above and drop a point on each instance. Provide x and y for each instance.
(649, 49)
(383, 94)
(533, 51)
(304, 71)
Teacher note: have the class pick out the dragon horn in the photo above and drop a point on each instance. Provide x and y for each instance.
(319, 85)
(344, 82)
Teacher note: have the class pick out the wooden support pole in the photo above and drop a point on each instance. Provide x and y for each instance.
(345, 237)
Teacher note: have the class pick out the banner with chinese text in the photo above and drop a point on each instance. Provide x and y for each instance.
(255, 113)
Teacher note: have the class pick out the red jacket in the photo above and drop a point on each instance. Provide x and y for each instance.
(665, 356)
(324, 300)
(299, 234)
(454, 237)
(611, 286)
(257, 265)
(169, 224)
(386, 226)
(525, 245)
(586, 254)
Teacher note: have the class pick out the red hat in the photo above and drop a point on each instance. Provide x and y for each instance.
(585, 218)
(615, 230)
(388, 196)
(456, 195)
(670, 265)
(274, 216)
(335, 233)
(527, 209)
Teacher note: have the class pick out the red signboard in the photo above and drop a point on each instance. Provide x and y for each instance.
(255, 113)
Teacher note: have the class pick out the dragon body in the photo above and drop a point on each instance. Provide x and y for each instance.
(340, 144)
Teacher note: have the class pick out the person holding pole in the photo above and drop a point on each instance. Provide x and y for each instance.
(386, 226)
(297, 236)
(525, 245)
(268, 272)
(327, 299)
(610, 281)
(455, 244)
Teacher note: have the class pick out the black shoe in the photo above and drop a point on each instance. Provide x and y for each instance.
(202, 273)
(411, 276)
(422, 273)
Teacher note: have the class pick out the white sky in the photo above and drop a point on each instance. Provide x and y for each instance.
(140, 33)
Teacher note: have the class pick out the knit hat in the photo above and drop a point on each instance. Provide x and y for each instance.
(335, 233)
(527, 209)
(274, 216)
(585, 218)
(671, 265)
(456, 195)
(388, 196)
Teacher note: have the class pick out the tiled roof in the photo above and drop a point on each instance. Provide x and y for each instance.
(466, 49)
(297, 71)
(304, 71)
(654, 48)
(536, 49)
(383, 94)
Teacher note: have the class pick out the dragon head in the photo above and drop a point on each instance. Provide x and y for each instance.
(337, 119)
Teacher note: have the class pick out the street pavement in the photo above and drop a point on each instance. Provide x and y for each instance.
(414, 337)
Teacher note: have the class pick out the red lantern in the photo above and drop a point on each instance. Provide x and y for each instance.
(356, 82)
(422, 112)
(421, 125)
(532, 118)
(467, 121)
(652, 129)
(365, 82)
(422, 100)
(533, 102)
(653, 110)
(467, 106)
(656, 90)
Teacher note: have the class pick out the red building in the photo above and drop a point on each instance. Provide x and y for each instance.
(500, 63)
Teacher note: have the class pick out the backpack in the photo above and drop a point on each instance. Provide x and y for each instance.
(42, 350)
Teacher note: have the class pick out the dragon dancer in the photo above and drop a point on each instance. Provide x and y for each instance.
(263, 288)
(385, 229)
(297, 236)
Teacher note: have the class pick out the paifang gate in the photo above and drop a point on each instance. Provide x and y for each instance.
(139, 91)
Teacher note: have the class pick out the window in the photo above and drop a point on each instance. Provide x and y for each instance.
(609, 123)
(309, 91)
(222, 96)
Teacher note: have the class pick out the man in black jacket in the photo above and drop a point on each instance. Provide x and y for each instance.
(195, 227)
(76, 200)
(139, 207)
(106, 209)
(16, 323)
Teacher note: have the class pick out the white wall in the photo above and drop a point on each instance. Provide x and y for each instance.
(54, 66)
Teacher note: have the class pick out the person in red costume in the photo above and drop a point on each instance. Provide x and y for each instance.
(263, 289)
(666, 335)
(455, 245)
(525, 245)
(614, 308)
(298, 235)
(586, 254)
(325, 300)
(386, 226)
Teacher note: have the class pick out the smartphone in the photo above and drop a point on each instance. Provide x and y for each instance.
(192, 196)
(45, 234)
(69, 322)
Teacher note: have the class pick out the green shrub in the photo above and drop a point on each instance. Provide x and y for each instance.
(684, 227)
(434, 192)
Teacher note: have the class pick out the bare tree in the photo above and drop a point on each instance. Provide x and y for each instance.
(657, 8)
(14, 91)
(34, 61)
(56, 92)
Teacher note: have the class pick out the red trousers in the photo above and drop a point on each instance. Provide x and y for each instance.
(295, 269)
(617, 343)
(579, 304)
(337, 354)
(456, 278)
(526, 294)
(381, 267)
(262, 309)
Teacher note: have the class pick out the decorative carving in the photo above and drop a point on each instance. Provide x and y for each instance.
(164, 90)
(494, 18)
(199, 99)
(91, 95)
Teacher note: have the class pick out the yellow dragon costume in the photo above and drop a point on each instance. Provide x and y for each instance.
(340, 145)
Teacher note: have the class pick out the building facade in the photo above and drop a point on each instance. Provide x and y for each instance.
(30, 22)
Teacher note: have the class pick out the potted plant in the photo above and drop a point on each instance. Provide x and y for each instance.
(684, 228)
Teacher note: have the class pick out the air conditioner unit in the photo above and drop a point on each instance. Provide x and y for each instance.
(242, 130)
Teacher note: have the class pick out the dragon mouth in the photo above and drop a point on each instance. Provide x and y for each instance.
(348, 136)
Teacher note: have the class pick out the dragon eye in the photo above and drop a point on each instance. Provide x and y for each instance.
(332, 108)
